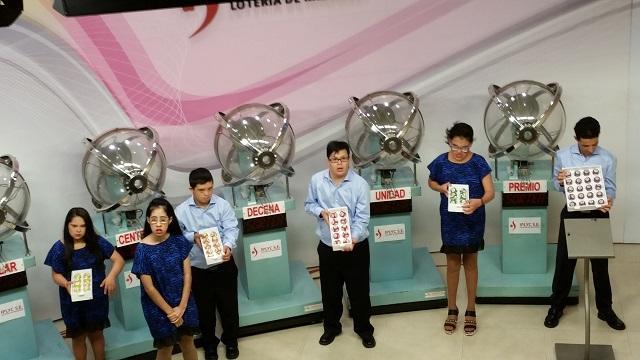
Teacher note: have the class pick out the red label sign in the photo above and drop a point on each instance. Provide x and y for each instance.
(260, 210)
(532, 186)
(403, 193)
(11, 267)
(128, 238)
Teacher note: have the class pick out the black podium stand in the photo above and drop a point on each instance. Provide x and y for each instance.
(587, 239)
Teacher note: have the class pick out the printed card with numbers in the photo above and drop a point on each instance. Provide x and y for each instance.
(339, 228)
(458, 196)
(81, 285)
(211, 245)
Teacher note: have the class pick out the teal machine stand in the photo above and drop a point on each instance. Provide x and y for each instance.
(273, 292)
(128, 334)
(523, 121)
(384, 131)
(123, 169)
(520, 270)
(22, 338)
(402, 278)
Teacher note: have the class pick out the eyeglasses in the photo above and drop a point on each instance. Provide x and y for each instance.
(160, 220)
(464, 149)
(338, 161)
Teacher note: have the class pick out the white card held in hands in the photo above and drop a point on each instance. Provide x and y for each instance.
(584, 188)
(458, 196)
(81, 285)
(211, 245)
(339, 228)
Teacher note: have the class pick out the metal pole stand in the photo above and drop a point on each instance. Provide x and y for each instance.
(587, 239)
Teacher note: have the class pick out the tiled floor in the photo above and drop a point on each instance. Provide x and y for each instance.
(505, 331)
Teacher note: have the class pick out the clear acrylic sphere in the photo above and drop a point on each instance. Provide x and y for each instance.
(524, 119)
(124, 167)
(254, 143)
(15, 197)
(384, 129)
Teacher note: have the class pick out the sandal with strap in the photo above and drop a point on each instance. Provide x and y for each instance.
(451, 321)
(470, 325)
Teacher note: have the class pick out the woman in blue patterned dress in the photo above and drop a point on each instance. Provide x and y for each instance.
(162, 264)
(462, 232)
(81, 248)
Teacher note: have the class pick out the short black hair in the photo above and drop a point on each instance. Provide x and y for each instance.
(587, 128)
(199, 176)
(460, 129)
(335, 146)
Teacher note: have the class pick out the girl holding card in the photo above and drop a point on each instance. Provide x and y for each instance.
(462, 225)
(162, 264)
(83, 251)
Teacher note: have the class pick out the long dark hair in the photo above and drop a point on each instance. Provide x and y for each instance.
(90, 237)
(174, 227)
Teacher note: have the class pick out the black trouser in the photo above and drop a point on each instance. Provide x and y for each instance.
(565, 267)
(338, 268)
(217, 288)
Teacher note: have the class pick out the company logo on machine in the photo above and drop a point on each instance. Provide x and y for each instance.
(403, 193)
(128, 238)
(11, 267)
(130, 280)
(525, 225)
(393, 232)
(266, 250)
(517, 186)
(12, 310)
(260, 210)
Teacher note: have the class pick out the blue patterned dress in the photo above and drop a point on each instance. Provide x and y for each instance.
(461, 233)
(86, 316)
(163, 262)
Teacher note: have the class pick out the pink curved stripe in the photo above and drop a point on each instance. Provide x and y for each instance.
(157, 107)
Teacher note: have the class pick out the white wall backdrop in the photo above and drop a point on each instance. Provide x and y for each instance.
(50, 101)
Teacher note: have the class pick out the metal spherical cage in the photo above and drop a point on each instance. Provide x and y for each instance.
(524, 119)
(15, 197)
(254, 143)
(124, 167)
(384, 129)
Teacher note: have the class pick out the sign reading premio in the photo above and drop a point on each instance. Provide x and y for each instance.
(11, 267)
(394, 232)
(260, 210)
(128, 238)
(516, 186)
(403, 193)
(266, 249)
(525, 225)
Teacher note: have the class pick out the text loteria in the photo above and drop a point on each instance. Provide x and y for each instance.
(403, 193)
(255, 211)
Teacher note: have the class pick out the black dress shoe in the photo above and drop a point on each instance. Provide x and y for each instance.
(612, 320)
(553, 317)
(327, 337)
(211, 354)
(232, 351)
(368, 341)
